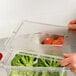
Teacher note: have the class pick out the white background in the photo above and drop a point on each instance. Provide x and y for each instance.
(58, 12)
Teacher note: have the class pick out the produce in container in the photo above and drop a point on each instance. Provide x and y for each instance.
(53, 40)
(35, 61)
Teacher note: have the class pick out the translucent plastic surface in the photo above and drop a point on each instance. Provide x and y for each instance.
(26, 38)
(29, 41)
(27, 71)
(31, 71)
(2, 43)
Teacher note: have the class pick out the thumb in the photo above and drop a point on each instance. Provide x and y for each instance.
(67, 55)
(72, 26)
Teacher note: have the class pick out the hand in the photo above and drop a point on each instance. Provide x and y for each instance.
(69, 62)
(72, 25)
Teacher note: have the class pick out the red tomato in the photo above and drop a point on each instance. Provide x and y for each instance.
(1, 56)
(48, 41)
(61, 38)
(57, 42)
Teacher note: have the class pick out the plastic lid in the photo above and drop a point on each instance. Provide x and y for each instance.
(27, 32)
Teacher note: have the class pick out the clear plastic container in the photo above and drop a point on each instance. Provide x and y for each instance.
(38, 71)
(28, 34)
(9, 70)
(29, 70)
(26, 39)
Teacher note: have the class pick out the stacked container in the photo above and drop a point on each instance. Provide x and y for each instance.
(28, 43)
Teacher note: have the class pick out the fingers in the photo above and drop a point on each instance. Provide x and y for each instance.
(72, 26)
(73, 22)
(73, 70)
(69, 66)
(69, 62)
(67, 55)
(72, 67)
(65, 62)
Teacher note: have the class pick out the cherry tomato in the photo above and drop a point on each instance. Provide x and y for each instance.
(61, 38)
(1, 56)
(57, 42)
(48, 41)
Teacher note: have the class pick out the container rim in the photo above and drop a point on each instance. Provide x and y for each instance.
(35, 68)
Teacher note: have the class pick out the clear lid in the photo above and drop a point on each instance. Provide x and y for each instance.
(27, 37)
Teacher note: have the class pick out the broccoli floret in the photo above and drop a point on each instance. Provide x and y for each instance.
(14, 73)
(36, 74)
(21, 73)
(42, 63)
(30, 60)
(25, 73)
(54, 63)
(54, 74)
(45, 73)
(16, 61)
(23, 60)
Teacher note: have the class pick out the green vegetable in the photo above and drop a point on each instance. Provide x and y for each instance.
(31, 61)
(28, 73)
(45, 73)
(21, 60)
(16, 61)
(54, 73)
(16, 73)
(44, 62)
(36, 74)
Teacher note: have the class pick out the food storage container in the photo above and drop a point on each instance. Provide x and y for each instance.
(28, 42)
(40, 66)
(53, 68)
(26, 38)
